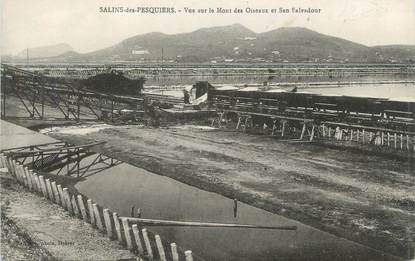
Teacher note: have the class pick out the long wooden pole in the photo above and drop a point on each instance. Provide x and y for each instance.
(158, 222)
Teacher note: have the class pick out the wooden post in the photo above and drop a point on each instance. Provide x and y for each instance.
(174, 253)
(132, 211)
(312, 132)
(25, 178)
(4, 161)
(1, 160)
(239, 122)
(389, 139)
(74, 206)
(68, 202)
(147, 243)
(401, 141)
(108, 224)
(7, 164)
(351, 134)
(284, 123)
(49, 189)
(274, 127)
(363, 136)
(82, 208)
(10, 166)
(55, 192)
(20, 169)
(11, 169)
(98, 217)
(43, 186)
(35, 181)
(117, 226)
(91, 212)
(303, 131)
(14, 165)
(407, 141)
(382, 135)
(28, 178)
(19, 177)
(137, 238)
(39, 184)
(127, 234)
(188, 255)
(63, 202)
(357, 135)
(31, 179)
(395, 140)
(160, 248)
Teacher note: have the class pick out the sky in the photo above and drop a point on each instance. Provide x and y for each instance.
(34, 23)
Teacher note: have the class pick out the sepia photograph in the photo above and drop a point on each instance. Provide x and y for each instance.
(219, 130)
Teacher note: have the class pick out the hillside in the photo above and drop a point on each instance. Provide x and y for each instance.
(45, 51)
(236, 43)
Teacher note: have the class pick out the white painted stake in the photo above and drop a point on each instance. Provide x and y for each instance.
(63, 202)
(188, 255)
(395, 140)
(137, 238)
(108, 224)
(39, 186)
(29, 175)
(98, 217)
(174, 253)
(74, 206)
(82, 208)
(55, 192)
(43, 186)
(147, 243)
(127, 234)
(91, 212)
(49, 190)
(68, 202)
(117, 226)
(160, 248)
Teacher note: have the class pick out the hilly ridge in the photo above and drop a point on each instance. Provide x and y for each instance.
(237, 43)
(45, 51)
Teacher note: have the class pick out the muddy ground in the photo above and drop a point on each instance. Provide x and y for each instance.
(363, 197)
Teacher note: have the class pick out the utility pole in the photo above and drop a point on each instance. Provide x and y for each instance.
(162, 59)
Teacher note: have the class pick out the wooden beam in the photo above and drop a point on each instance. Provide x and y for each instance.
(158, 222)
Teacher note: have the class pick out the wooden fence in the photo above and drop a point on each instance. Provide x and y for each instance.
(139, 240)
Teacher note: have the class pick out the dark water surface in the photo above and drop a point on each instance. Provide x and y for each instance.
(160, 197)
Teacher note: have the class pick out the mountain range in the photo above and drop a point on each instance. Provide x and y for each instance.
(45, 51)
(236, 43)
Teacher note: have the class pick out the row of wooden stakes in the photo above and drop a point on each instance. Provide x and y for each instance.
(396, 140)
(138, 240)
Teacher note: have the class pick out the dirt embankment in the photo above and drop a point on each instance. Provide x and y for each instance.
(35, 229)
(366, 198)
